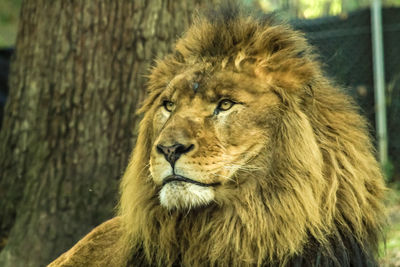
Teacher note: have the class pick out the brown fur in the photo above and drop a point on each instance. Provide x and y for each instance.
(101, 247)
(315, 180)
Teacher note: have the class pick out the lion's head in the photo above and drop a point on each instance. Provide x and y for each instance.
(248, 154)
(208, 135)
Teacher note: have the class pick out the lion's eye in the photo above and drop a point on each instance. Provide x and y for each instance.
(169, 106)
(225, 104)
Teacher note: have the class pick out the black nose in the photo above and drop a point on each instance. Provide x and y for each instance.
(173, 153)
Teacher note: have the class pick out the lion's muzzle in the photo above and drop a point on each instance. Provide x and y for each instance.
(173, 153)
(178, 178)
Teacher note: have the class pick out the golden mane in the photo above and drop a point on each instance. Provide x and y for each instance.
(322, 193)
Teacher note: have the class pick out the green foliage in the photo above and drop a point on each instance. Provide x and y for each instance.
(9, 10)
(390, 250)
(9, 13)
(388, 171)
(391, 2)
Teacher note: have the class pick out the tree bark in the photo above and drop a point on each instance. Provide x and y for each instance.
(76, 80)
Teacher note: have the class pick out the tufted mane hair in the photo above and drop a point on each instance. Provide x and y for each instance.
(320, 190)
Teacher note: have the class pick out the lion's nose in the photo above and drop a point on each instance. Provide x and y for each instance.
(173, 153)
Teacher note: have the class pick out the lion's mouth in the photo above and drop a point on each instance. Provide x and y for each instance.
(178, 178)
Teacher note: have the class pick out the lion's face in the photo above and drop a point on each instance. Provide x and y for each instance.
(206, 130)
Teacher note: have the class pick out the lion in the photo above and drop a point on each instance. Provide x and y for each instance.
(247, 155)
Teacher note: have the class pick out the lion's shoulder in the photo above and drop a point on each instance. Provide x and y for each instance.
(98, 248)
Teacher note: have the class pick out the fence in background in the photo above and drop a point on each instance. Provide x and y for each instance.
(344, 43)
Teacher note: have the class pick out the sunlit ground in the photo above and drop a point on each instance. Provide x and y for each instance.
(392, 256)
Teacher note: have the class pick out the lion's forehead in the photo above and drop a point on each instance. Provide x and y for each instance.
(211, 84)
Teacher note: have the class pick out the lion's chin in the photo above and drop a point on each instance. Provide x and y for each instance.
(182, 196)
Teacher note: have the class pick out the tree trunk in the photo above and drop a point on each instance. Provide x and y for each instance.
(76, 80)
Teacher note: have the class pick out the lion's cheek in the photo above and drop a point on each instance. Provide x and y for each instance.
(159, 168)
(160, 117)
(240, 134)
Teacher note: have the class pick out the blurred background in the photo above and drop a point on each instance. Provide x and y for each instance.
(58, 150)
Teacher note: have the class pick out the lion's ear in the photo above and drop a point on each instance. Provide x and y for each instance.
(288, 83)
